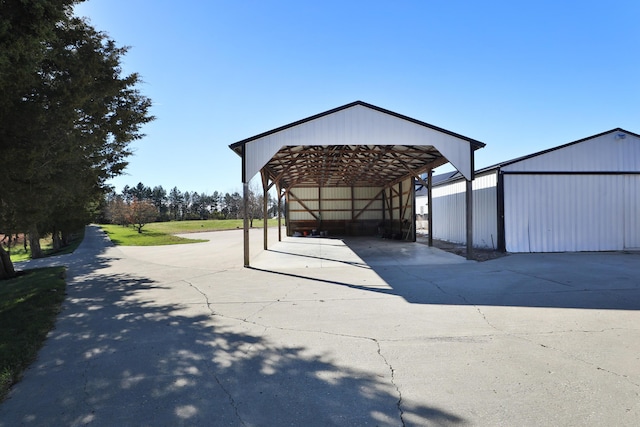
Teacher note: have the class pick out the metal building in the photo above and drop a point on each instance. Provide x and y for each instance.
(351, 170)
(581, 196)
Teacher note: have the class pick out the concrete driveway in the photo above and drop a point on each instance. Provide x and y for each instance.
(319, 332)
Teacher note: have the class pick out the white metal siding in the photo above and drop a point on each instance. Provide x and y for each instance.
(606, 153)
(366, 192)
(305, 193)
(449, 212)
(632, 212)
(579, 212)
(485, 223)
(565, 213)
(299, 215)
(357, 125)
(336, 203)
(342, 193)
(297, 212)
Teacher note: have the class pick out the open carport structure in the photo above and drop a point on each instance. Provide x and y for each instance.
(351, 170)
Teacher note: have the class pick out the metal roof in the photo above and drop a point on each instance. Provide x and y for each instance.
(451, 177)
(357, 144)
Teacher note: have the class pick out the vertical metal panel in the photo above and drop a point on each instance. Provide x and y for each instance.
(343, 193)
(485, 211)
(449, 212)
(305, 193)
(564, 213)
(366, 192)
(299, 215)
(296, 210)
(310, 204)
(336, 203)
(632, 212)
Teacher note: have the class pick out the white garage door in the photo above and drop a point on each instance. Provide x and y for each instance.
(632, 212)
(566, 213)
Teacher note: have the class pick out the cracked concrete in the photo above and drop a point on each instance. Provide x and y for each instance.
(323, 333)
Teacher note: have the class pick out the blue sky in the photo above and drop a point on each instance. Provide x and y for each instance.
(520, 76)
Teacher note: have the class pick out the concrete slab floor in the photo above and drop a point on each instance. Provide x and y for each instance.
(330, 332)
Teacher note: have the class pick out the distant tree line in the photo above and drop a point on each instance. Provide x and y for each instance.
(138, 204)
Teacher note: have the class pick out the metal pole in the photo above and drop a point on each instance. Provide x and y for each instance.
(279, 213)
(413, 209)
(265, 195)
(429, 206)
(400, 213)
(266, 221)
(245, 191)
(469, 197)
(469, 200)
(287, 214)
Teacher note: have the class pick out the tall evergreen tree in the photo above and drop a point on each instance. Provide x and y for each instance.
(66, 119)
(175, 203)
(159, 199)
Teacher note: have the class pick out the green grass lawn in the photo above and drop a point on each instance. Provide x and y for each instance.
(29, 304)
(19, 254)
(128, 236)
(162, 233)
(177, 227)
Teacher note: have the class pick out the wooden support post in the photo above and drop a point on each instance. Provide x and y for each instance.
(414, 234)
(384, 206)
(287, 215)
(265, 207)
(502, 246)
(400, 213)
(353, 205)
(391, 212)
(245, 198)
(279, 213)
(245, 191)
(469, 197)
(319, 220)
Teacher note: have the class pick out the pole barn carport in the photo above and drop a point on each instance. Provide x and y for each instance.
(352, 169)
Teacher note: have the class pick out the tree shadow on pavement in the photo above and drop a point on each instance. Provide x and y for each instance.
(119, 357)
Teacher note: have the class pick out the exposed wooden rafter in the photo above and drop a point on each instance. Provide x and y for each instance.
(350, 165)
